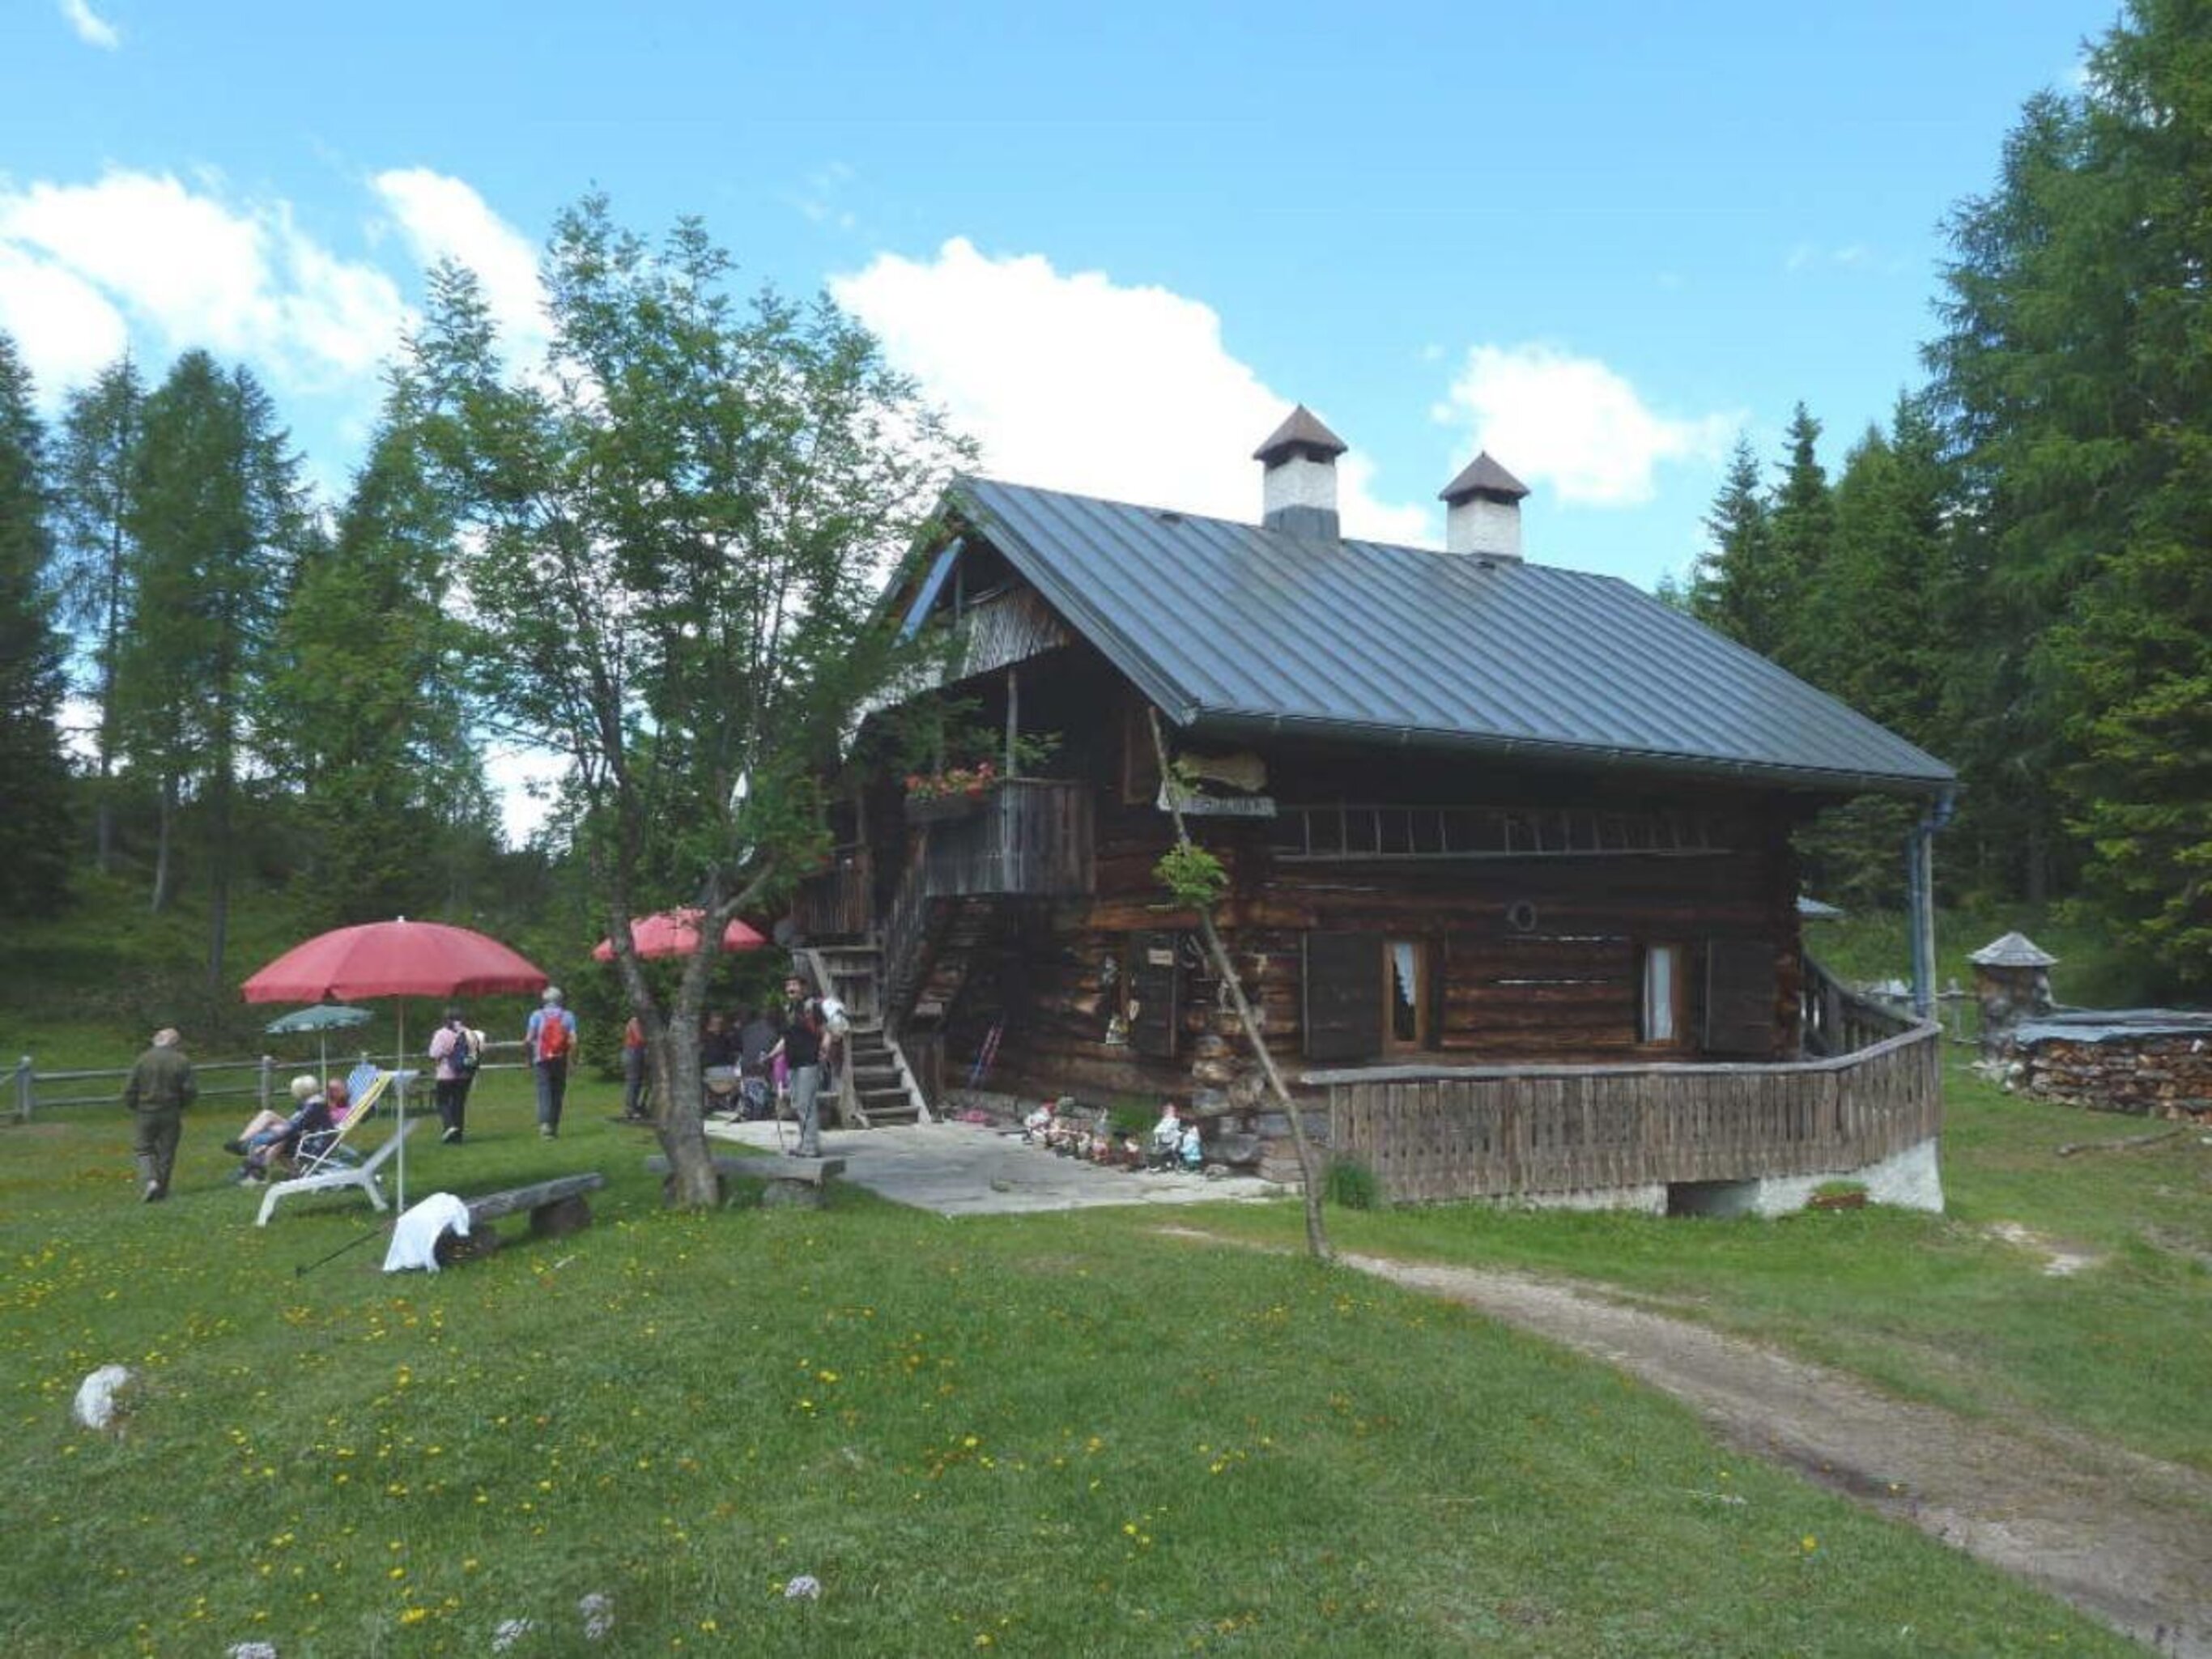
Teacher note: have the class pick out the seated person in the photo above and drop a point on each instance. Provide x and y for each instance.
(304, 1088)
(304, 1133)
(717, 1044)
(1194, 1147)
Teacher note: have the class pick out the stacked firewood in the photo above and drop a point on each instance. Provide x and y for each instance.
(2163, 1076)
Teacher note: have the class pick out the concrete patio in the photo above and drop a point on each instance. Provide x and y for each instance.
(965, 1169)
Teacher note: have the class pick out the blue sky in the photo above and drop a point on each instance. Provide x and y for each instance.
(1598, 239)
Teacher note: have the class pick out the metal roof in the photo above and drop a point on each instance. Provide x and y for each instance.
(2113, 1025)
(1238, 630)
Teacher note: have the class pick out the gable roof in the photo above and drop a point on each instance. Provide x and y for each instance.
(1237, 631)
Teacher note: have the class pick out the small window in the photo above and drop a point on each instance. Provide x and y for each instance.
(1662, 1017)
(1408, 993)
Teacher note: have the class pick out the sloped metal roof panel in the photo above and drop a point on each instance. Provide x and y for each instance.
(1233, 628)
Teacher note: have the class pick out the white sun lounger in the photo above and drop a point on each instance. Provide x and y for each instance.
(332, 1176)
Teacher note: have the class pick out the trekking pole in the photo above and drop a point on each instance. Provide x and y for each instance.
(302, 1271)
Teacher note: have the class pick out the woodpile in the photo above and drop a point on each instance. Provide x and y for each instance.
(2148, 1076)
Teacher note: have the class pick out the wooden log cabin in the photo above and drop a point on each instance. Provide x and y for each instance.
(1509, 850)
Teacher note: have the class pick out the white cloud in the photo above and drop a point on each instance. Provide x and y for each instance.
(64, 325)
(818, 199)
(1073, 381)
(443, 218)
(1574, 423)
(152, 252)
(91, 27)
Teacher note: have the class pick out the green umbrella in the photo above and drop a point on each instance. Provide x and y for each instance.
(322, 1018)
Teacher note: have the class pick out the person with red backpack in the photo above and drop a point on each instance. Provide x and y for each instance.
(550, 1037)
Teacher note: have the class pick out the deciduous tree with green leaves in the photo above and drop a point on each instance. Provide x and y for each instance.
(678, 528)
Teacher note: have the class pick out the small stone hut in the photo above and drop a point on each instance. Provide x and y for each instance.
(2012, 983)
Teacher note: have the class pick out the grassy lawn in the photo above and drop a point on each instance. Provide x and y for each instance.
(1939, 1308)
(1039, 1435)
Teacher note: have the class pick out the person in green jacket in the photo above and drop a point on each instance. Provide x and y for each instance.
(162, 1086)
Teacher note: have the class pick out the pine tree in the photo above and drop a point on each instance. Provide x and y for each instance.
(217, 517)
(94, 469)
(1800, 524)
(34, 827)
(1732, 588)
(363, 704)
(2077, 377)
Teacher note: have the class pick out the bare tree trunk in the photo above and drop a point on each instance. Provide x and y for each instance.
(165, 842)
(219, 883)
(1217, 953)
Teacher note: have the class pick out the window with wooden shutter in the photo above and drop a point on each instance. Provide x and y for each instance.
(1740, 997)
(1343, 996)
(1155, 994)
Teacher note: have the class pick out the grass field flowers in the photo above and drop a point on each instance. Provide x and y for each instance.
(858, 1431)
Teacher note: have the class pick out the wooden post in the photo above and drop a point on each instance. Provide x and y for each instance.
(269, 1080)
(1309, 1169)
(26, 1090)
(1013, 716)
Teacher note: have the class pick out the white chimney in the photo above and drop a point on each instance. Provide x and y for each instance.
(1297, 490)
(1482, 511)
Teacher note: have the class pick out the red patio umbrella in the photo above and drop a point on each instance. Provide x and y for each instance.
(399, 958)
(676, 933)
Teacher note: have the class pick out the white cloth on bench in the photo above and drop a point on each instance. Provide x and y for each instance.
(415, 1235)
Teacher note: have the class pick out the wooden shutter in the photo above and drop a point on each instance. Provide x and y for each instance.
(1740, 997)
(1343, 981)
(1156, 987)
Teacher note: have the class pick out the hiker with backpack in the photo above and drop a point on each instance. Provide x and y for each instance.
(551, 1038)
(458, 1052)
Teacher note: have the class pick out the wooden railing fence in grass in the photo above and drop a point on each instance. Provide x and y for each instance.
(259, 1079)
(1444, 1132)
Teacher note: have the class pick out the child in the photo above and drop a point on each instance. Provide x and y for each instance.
(1193, 1148)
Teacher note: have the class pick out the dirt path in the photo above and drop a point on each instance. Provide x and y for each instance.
(2125, 1538)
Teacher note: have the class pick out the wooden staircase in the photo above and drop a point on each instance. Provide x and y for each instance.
(874, 1086)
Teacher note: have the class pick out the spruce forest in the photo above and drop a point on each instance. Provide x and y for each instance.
(211, 679)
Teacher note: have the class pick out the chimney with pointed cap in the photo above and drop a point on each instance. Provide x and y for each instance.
(1482, 511)
(1298, 487)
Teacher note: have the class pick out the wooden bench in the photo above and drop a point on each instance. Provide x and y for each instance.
(796, 1182)
(556, 1207)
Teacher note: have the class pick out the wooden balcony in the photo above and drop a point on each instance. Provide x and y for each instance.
(1445, 1132)
(1028, 837)
(837, 903)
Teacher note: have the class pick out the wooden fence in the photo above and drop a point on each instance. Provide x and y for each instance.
(33, 1090)
(1496, 1131)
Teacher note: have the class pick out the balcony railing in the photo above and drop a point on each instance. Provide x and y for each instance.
(1431, 1134)
(1027, 837)
(836, 903)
